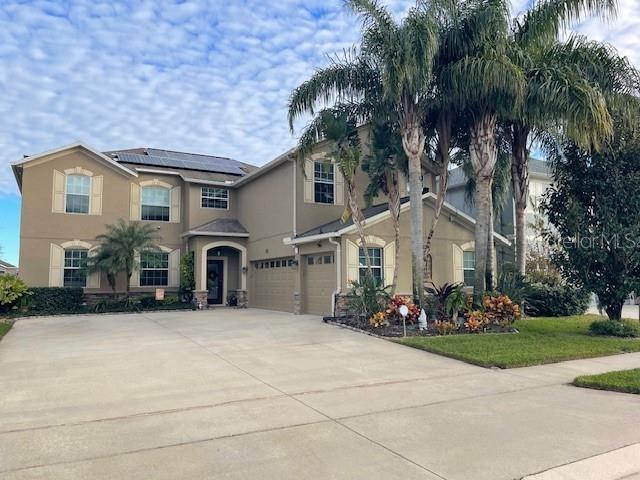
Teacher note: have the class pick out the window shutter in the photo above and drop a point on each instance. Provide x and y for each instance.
(175, 205)
(339, 186)
(56, 266)
(96, 195)
(174, 268)
(308, 181)
(458, 262)
(58, 192)
(135, 202)
(353, 271)
(93, 280)
(134, 281)
(389, 259)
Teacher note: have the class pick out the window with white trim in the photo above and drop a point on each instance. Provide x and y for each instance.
(77, 192)
(212, 197)
(154, 269)
(469, 266)
(156, 203)
(375, 256)
(324, 182)
(75, 268)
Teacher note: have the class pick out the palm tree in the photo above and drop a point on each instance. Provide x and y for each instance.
(107, 262)
(383, 164)
(480, 81)
(123, 241)
(559, 94)
(394, 64)
(338, 125)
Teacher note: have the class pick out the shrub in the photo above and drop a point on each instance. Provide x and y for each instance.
(393, 309)
(12, 289)
(500, 310)
(476, 322)
(378, 320)
(368, 297)
(615, 328)
(441, 293)
(555, 301)
(187, 277)
(444, 327)
(52, 300)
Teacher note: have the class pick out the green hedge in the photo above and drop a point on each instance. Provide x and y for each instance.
(613, 328)
(52, 300)
(554, 301)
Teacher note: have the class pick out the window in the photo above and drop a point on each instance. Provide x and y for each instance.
(155, 204)
(323, 182)
(75, 273)
(375, 256)
(469, 266)
(215, 198)
(154, 269)
(77, 194)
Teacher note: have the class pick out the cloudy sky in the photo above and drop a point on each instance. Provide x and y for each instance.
(210, 76)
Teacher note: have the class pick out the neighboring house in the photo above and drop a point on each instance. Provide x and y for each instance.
(539, 181)
(7, 268)
(270, 233)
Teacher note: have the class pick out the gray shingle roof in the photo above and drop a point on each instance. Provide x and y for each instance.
(220, 225)
(536, 166)
(337, 224)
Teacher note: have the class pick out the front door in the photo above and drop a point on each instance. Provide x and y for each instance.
(215, 279)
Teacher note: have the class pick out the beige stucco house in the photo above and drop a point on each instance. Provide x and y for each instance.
(269, 233)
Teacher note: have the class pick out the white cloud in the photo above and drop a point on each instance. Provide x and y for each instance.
(206, 76)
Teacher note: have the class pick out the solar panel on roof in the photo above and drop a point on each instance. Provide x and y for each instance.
(168, 159)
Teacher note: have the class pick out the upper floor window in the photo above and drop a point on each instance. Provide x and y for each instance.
(154, 269)
(215, 198)
(77, 193)
(469, 266)
(375, 256)
(75, 273)
(323, 182)
(155, 204)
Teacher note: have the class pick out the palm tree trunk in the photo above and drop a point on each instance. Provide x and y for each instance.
(393, 193)
(413, 144)
(491, 250)
(358, 218)
(483, 154)
(520, 188)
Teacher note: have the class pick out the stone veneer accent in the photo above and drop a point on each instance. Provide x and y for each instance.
(201, 298)
(297, 303)
(241, 296)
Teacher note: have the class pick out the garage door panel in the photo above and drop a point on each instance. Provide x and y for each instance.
(319, 281)
(272, 285)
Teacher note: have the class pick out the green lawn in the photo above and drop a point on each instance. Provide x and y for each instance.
(4, 328)
(626, 381)
(541, 340)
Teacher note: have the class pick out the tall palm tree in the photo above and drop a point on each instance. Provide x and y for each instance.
(394, 63)
(123, 241)
(558, 94)
(338, 125)
(384, 163)
(482, 83)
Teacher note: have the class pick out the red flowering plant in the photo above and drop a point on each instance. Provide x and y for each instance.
(393, 309)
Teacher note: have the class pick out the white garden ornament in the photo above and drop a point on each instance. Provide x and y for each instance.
(422, 320)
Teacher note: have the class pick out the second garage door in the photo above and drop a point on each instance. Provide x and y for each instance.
(319, 283)
(271, 284)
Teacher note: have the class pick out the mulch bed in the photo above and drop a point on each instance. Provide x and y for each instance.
(359, 323)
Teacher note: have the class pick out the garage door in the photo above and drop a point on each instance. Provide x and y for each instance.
(272, 284)
(319, 281)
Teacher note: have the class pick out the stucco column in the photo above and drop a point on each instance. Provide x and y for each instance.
(297, 288)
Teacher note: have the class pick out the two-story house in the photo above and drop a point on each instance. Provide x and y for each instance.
(271, 234)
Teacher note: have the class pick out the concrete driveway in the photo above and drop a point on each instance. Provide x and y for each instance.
(246, 394)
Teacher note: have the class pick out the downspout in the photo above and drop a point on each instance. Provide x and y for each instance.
(338, 282)
(295, 199)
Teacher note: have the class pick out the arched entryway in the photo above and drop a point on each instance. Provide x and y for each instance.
(223, 271)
